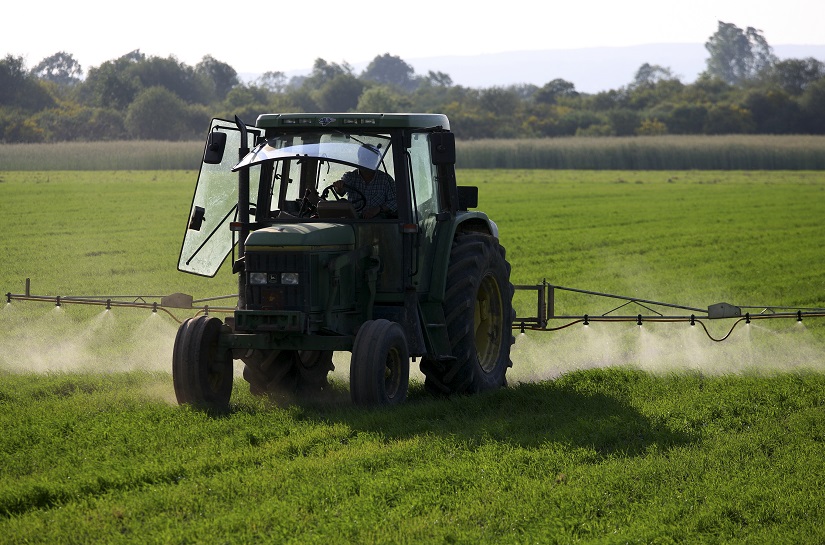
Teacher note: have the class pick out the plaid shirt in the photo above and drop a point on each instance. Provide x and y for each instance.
(379, 192)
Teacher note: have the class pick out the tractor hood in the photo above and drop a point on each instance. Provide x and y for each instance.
(302, 236)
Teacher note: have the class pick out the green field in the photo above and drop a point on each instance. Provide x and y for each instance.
(608, 434)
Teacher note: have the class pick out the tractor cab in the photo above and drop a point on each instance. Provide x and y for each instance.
(291, 164)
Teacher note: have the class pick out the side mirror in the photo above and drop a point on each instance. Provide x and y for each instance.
(215, 145)
(442, 148)
(467, 197)
(197, 218)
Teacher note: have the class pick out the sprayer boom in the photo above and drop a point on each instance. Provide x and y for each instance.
(647, 311)
(155, 303)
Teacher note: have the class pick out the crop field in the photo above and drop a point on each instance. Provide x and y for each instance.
(611, 433)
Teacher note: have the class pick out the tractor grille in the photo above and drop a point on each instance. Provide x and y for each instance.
(275, 274)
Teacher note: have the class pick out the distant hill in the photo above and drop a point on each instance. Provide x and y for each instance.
(590, 69)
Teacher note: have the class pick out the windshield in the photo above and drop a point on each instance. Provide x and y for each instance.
(301, 168)
(355, 150)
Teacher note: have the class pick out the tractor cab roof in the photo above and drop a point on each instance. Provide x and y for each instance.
(353, 121)
(357, 150)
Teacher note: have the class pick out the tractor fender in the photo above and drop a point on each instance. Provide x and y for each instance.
(464, 222)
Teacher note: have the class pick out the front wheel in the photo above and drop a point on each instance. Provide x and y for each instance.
(201, 370)
(380, 364)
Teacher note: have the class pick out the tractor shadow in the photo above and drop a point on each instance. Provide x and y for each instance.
(573, 411)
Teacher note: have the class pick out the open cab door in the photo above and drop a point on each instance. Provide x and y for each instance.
(208, 239)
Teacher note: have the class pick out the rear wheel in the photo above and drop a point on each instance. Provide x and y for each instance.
(201, 370)
(478, 306)
(380, 364)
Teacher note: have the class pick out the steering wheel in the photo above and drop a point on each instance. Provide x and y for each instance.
(309, 204)
(360, 198)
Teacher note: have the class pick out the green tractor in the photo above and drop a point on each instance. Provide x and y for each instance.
(320, 271)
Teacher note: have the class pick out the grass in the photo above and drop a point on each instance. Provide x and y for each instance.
(612, 434)
(698, 237)
(673, 152)
(114, 232)
(595, 456)
(730, 152)
(125, 155)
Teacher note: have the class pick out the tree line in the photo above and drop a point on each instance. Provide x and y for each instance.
(745, 89)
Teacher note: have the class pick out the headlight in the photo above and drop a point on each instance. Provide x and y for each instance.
(289, 279)
(257, 278)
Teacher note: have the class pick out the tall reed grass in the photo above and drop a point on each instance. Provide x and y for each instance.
(735, 152)
(124, 155)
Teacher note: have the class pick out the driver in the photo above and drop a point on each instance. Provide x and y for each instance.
(376, 186)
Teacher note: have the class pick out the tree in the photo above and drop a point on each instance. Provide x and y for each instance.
(390, 70)
(218, 77)
(607, 100)
(438, 79)
(499, 101)
(773, 112)
(75, 122)
(623, 121)
(302, 100)
(575, 121)
(246, 101)
(112, 85)
(18, 89)
(687, 118)
(794, 75)
(523, 91)
(381, 98)
(650, 74)
(728, 119)
(651, 127)
(159, 114)
(431, 97)
(170, 74)
(60, 68)
(340, 94)
(551, 91)
(650, 94)
(812, 103)
(706, 89)
(274, 82)
(737, 56)
(324, 72)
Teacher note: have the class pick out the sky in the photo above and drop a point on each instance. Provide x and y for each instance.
(287, 36)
